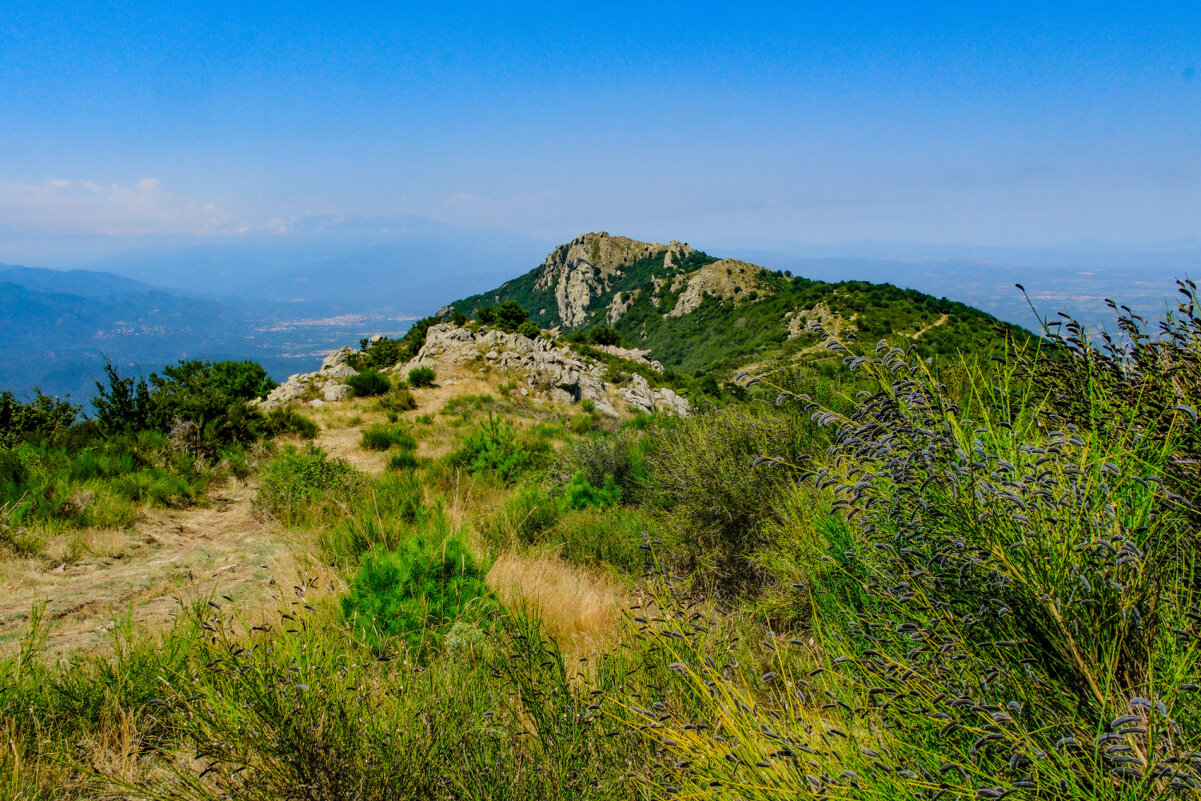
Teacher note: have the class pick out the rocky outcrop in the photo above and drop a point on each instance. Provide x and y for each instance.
(328, 382)
(728, 279)
(589, 265)
(548, 372)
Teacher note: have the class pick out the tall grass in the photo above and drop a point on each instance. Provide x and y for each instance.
(1022, 617)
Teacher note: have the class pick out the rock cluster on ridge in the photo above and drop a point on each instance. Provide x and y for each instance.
(547, 371)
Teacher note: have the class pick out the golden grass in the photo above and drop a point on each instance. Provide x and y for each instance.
(581, 609)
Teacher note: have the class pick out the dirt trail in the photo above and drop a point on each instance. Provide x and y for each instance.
(171, 556)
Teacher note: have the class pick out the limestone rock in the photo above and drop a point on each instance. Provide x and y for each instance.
(726, 279)
(338, 357)
(333, 392)
(588, 266)
(339, 371)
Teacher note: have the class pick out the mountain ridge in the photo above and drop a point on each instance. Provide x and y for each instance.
(697, 312)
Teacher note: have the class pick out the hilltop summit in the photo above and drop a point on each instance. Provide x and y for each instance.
(698, 312)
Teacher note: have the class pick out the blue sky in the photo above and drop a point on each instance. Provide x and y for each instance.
(821, 123)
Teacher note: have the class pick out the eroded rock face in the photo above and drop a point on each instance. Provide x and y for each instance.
(726, 279)
(588, 266)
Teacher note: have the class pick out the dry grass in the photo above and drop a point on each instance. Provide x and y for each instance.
(579, 608)
(219, 548)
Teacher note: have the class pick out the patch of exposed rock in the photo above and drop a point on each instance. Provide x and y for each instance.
(589, 265)
(328, 382)
(548, 372)
(801, 321)
(728, 279)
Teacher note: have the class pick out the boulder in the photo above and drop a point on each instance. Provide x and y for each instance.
(338, 357)
(342, 370)
(333, 392)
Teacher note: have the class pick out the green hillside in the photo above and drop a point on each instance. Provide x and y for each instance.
(696, 313)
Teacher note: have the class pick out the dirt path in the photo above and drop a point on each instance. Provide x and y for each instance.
(172, 556)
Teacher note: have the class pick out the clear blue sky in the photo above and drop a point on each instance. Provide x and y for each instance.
(1044, 122)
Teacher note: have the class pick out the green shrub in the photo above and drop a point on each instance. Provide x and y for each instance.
(398, 400)
(403, 460)
(416, 592)
(619, 458)
(380, 437)
(383, 354)
(369, 383)
(422, 376)
(38, 420)
(604, 335)
(579, 493)
(493, 448)
(529, 329)
(299, 484)
(524, 517)
(700, 467)
(285, 422)
(379, 518)
(581, 423)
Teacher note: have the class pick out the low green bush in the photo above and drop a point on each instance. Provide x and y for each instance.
(493, 448)
(416, 592)
(402, 460)
(400, 399)
(369, 383)
(302, 483)
(579, 493)
(380, 437)
(422, 376)
(285, 422)
(379, 518)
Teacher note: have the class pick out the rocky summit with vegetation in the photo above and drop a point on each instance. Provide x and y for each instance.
(642, 524)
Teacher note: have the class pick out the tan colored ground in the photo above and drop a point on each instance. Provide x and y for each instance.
(171, 557)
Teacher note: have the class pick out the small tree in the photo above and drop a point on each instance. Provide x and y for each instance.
(124, 405)
(604, 335)
(510, 315)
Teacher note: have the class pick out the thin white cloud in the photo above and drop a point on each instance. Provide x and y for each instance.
(63, 207)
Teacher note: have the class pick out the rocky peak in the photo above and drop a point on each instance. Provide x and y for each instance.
(589, 265)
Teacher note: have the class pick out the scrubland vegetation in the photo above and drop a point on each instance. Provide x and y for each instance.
(972, 578)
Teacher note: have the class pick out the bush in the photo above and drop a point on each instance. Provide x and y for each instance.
(124, 405)
(285, 422)
(383, 354)
(41, 419)
(380, 437)
(380, 518)
(493, 448)
(398, 400)
(579, 493)
(701, 475)
(510, 315)
(300, 484)
(416, 592)
(529, 329)
(619, 458)
(422, 376)
(403, 460)
(604, 335)
(369, 383)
